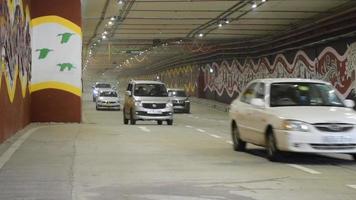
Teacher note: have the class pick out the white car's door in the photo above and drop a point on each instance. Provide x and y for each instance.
(242, 113)
(257, 120)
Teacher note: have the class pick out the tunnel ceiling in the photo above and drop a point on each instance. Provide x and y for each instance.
(143, 33)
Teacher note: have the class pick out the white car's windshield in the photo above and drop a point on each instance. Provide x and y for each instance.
(108, 94)
(103, 85)
(303, 94)
(156, 90)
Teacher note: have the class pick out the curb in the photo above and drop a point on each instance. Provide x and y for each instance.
(211, 103)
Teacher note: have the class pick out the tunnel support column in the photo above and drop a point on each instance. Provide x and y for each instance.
(56, 58)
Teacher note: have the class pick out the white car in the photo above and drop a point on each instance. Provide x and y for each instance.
(294, 115)
(107, 99)
(100, 86)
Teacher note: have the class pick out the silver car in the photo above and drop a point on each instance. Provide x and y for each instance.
(180, 100)
(107, 99)
(147, 100)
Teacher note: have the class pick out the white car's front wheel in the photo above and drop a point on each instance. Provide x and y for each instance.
(273, 154)
(354, 156)
(238, 144)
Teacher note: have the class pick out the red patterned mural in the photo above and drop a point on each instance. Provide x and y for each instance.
(232, 77)
(15, 66)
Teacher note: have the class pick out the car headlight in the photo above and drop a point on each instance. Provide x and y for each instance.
(293, 125)
(169, 104)
(138, 103)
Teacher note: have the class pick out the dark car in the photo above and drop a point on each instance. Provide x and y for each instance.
(180, 100)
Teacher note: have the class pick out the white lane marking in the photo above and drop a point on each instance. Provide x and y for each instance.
(351, 186)
(215, 136)
(196, 117)
(189, 126)
(305, 169)
(16, 145)
(144, 129)
(201, 130)
(229, 142)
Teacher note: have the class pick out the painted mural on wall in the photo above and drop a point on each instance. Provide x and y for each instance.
(231, 77)
(15, 45)
(181, 77)
(185, 77)
(57, 55)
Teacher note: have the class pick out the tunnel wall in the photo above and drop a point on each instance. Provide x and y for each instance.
(15, 66)
(224, 79)
(56, 74)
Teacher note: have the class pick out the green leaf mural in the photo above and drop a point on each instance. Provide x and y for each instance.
(65, 37)
(43, 53)
(63, 66)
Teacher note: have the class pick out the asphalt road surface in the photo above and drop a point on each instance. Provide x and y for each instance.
(102, 159)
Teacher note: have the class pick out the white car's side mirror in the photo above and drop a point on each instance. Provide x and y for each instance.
(128, 93)
(258, 102)
(349, 103)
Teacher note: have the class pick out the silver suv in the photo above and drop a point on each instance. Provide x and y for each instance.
(147, 100)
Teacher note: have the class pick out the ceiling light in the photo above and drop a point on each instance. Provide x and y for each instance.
(264, 0)
(112, 18)
(104, 37)
(121, 2)
(254, 5)
(220, 25)
(110, 23)
(201, 35)
(105, 32)
(227, 21)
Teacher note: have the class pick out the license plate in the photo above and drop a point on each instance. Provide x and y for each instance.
(154, 112)
(336, 139)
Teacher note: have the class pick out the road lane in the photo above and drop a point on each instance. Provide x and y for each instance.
(104, 159)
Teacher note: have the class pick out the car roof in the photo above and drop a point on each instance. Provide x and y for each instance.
(289, 80)
(102, 83)
(145, 82)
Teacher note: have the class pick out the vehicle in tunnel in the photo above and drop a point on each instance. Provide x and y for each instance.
(180, 100)
(147, 100)
(108, 99)
(294, 115)
(98, 86)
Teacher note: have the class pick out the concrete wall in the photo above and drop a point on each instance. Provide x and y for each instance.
(15, 66)
(56, 74)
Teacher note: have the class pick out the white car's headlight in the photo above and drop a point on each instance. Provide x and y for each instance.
(293, 125)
